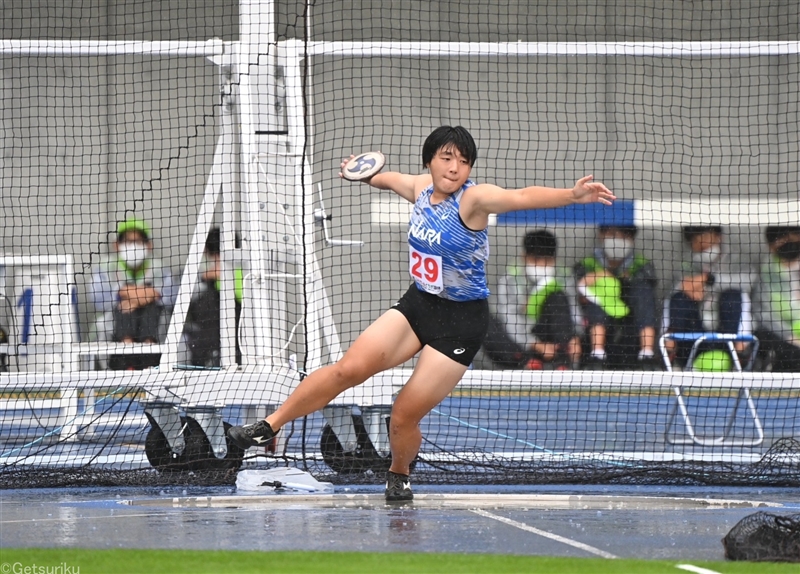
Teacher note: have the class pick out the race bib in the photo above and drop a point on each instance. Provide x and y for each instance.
(426, 270)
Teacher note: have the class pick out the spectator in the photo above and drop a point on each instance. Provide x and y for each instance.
(616, 288)
(533, 327)
(779, 300)
(708, 297)
(203, 318)
(132, 289)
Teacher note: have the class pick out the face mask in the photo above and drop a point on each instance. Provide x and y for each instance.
(794, 266)
(708, 256)
(133, 254)
(617, 248)
(788, 251)
(536, 273)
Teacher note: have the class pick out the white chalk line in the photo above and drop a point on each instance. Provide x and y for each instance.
(545, 534)
(695, 569)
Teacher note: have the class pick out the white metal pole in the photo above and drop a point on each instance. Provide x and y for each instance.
(230, 190)
(207, 49)
(256, 23)
(528, 49)
(295, 118)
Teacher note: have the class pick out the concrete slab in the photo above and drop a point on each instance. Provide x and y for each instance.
(630, 522)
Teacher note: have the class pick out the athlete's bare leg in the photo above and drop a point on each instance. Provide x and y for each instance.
(388, 342)
(434, 377)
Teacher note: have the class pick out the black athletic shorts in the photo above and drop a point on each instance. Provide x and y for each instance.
(454, 328)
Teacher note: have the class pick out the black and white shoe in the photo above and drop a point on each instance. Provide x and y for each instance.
(256, 434)
(398, 487)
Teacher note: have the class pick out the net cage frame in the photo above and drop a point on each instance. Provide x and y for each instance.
(265, 381)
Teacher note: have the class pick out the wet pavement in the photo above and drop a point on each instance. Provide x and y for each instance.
(627, 522)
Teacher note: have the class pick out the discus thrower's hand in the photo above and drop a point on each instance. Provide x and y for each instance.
(344, 163)
(588, 191)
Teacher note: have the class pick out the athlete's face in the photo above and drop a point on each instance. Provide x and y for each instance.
(449, 170)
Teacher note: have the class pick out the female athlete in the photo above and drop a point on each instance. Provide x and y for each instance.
(444, 314)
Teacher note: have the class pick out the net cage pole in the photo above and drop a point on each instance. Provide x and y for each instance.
(280, 207)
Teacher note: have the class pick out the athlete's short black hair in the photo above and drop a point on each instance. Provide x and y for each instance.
(539, 244)
(691, 231)
(775, 232)
(446, 136)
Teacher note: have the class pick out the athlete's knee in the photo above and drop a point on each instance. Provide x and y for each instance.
(403, 419)
(349, 373)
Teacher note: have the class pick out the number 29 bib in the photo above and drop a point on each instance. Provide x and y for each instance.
(426, 269)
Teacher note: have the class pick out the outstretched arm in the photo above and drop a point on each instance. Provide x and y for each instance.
(494, 199)
(405, 185)
(482, 200)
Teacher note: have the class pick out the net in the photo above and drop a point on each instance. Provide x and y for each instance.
(211, 146)
(764, 537)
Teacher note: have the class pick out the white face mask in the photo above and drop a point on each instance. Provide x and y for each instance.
(536, 272)
(133, 254)
(794, 266)
(708, 256)
(617, 248)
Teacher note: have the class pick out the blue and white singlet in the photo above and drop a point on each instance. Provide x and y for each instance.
(445, 257)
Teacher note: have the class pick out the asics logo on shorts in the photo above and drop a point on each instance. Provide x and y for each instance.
(459, 351)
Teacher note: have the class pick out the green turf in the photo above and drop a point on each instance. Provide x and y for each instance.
(75, 561)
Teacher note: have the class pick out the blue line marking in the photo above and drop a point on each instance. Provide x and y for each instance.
(525, 442)
(620, 213)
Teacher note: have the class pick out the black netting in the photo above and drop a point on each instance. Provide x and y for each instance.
(764, 537)
(207, 141)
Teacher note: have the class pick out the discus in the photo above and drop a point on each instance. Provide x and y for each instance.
(363, 166)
